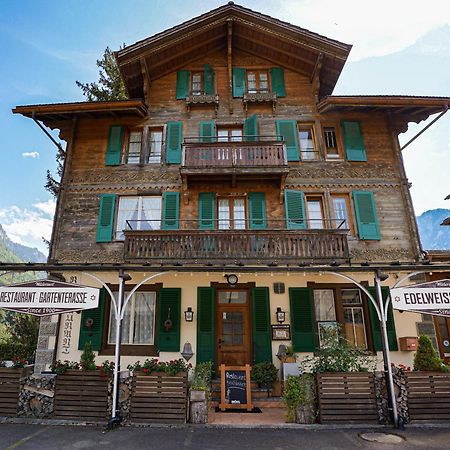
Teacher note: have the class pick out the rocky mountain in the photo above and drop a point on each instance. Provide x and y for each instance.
(432, 234)
(20, 251)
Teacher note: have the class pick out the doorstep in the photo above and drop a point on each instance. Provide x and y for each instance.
(267, 416)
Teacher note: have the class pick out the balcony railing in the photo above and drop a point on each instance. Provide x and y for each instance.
(225, 246)
(253, 151)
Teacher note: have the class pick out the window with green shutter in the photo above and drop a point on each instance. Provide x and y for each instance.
(366, 215)
(206, 211)
(302, 319)
(251, 128)
(169, 320)
(287, 131)
(171, 206)
(114, 148)
(354, 143)
(106, 218)
(92, 323)
(207, 131)
(294, 205)
(375, 323)
(208, 79)
(257, 209)
(238, 82)
(183, 79)
(278, 87)
(174, 140)
(262, 333)
(205, 324)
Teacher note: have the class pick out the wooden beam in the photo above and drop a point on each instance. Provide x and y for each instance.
(315, 77)
(230, 64)
(146, 77)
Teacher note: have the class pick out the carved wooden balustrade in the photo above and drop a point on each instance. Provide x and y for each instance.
(236, 246)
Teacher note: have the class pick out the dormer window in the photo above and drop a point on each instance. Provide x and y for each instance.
(197, 83)
(257, 81)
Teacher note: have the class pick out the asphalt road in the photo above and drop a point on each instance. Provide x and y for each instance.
(24, 436)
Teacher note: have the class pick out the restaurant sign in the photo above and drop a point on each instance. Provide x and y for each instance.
(47, 297)
(426, 298)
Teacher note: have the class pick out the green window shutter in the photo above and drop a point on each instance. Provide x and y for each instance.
(278, 87)
(251, 128)
(171, 211)
(262, 332)
(287, 130)
(205, 324)
(294, 205)
(206, 211)
(106, 218)
(169, 308)
(94, 333)
(114, 148)
(174, 138)
(207, 131)
(375, 323)
(257, 207)
(302, 319)
(183, 78)
(354, 143)
(208, 79)
(238, 82)
(366, 215)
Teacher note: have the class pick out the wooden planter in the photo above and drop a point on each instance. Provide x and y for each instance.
(81, 396)
(428, 395)
(159, 398)
(346, 397)
(10, 389)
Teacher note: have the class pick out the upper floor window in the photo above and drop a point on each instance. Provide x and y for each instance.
(231, 213)
(229, 134)
(306, 141)
(197, 83)
(331, 142)
(134, 147)
(314, 211)
(341, 211)
(137, 150)
(257, 81)
(155, 146)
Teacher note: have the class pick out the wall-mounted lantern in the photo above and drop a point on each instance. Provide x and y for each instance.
(281, 315)
(189, 315)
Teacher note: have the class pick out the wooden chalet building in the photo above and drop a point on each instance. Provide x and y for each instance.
(232, 157)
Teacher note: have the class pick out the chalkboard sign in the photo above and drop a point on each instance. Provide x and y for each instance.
(235, 386)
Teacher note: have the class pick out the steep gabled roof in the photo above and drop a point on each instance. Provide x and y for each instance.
(258, 34)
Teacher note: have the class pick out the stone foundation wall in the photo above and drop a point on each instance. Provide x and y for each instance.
(36, 396)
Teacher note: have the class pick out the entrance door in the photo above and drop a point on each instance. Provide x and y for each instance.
(233, 339)
(442, 326)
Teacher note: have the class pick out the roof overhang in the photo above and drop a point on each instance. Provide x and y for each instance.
(279, 42)
(58, 112)
(402, 109)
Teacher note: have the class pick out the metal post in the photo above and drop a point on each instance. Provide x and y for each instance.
(386, 356)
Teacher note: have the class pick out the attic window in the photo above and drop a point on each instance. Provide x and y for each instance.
(197, 83)
(257, 81)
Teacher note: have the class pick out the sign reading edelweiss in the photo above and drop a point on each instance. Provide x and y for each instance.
(47, 297)
(426, 298)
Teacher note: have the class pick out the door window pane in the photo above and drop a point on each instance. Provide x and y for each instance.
(222, 135)
(232, 297)
(196, 84)
(340, 213)
(239, 214)
(354, 328)
(155, 145)
(351, 296)
(251, 82)
(263, 82)
(236, 134)
(224, 214)
(324, 305)
(307, 150)
(315, 216)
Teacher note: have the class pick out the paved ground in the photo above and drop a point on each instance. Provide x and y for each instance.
(36, 437)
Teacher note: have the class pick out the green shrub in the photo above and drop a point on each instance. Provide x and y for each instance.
(63, 366)
(425, 358)
(298, 391)
(87, 359)
(10, 350)
(265, 374)
(201, 381)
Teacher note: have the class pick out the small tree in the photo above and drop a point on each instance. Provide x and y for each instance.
(87, 359)
(425, 358)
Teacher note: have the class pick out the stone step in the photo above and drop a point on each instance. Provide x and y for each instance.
(274, 402)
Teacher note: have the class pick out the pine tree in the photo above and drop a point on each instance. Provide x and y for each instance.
(425, 358)
(87, 358)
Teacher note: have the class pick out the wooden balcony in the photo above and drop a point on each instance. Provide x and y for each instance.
(237, 246)
(257, 158)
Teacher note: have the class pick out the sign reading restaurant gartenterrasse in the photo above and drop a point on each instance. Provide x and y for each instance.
(47, 297)
(426, 298)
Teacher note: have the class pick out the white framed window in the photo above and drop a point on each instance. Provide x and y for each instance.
(341, 212)
(134, 147)
(306, 141)
(231, 213)
(257, 81)
(138, 213)
(354, 328)
(229, 134)
(197, 83)
(138, 324)
(331, 142)
(325, 314)
(155, 146)
(314, 209)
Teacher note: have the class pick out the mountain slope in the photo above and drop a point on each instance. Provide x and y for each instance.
(432, 234)
(25, 253)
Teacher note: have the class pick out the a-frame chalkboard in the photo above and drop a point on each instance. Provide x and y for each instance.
(235, 387)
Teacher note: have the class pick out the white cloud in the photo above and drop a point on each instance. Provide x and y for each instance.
(375, 28)
(47, 207)
(28, 226)
(30, 154)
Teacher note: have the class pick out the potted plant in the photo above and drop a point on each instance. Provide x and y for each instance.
(264, 374)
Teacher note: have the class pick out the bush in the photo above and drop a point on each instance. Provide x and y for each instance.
(201, 381)
(87, 359)
(265, 374)
(425, 358)
(10, 350)
(298, 391)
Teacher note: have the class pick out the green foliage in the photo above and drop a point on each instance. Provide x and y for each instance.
(10, 350)
(153, 365)
(107, 367)
(63, 366)
(19, 363)
(201, 381)
(87, 358)
(298, 391)
(425, 358)
(337, 355)
(264, 373)
(110, 85)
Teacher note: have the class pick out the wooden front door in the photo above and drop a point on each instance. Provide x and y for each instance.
(233, 337)
(442, 326)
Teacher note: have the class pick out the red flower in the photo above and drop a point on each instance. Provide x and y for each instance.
(145, 370)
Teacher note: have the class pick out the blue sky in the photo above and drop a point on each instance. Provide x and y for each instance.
(400, 47)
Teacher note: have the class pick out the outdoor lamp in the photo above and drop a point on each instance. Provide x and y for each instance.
(281, 315)
(232, 279)
(189, 315)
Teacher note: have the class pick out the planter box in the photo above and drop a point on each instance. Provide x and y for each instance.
(428, 395)
(159, 398)
(346, 397)
(10, 380)
(81, 396)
